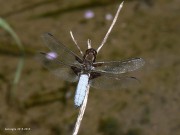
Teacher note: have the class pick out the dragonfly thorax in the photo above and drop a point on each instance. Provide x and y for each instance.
(88, 59)
(90, 55)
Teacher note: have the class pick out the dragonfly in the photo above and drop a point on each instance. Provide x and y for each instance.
(84, 69)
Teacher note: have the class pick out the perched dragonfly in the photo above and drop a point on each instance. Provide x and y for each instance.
(67, 65)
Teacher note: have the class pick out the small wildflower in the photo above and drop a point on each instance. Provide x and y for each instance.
(109, 17)
(89, 14)
(51, 55)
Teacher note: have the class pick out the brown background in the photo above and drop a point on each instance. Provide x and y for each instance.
(145, 28)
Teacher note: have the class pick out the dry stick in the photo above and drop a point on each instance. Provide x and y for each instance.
(114, 21)
(83, 107)
(89, 44)
(81, 113)
(76, 43)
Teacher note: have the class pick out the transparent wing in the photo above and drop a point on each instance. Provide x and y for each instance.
(64, 54)
(112, 81)
(58, 68)
(118, 67)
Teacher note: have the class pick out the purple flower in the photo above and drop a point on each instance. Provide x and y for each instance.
(89, 14)
(109, 16)
(51, 55)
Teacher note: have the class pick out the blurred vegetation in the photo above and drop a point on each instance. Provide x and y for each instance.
(7, 28)
(134, 131)
(109, 126)
(40, 99)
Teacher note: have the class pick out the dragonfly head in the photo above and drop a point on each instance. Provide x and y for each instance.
(90, 55)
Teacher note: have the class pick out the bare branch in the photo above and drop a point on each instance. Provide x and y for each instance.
(89, 43)
(76, 43)
(110, 28)
(83, 107)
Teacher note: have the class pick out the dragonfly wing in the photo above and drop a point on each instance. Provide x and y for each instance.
(63, 71)
(113, 81)
(118, 67)
(64, 54)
